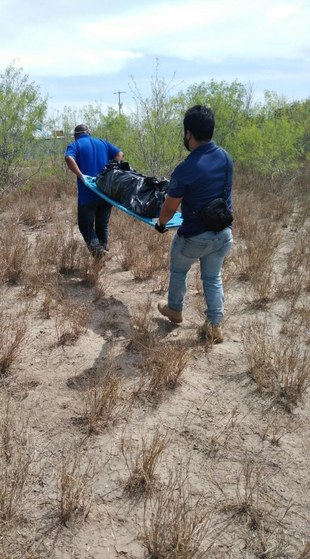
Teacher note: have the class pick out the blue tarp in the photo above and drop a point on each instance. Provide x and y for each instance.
(176, 221)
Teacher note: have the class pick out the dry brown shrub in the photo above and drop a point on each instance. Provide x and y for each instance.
(90, 269)
(51, 294)
(243, 220)
(262, 287)
(144, 252)
(296, 273)
(74, 485)
(102, 400)
(142, 460)
(29, 213)
(15, 458)
(276, 428)
(153, 256)
(13, 329)
(258, 254)
(280, 368)
(142, 334)
(249, 502)
(162, 367)
(69, 255)
(220, 440)
(21, 542)
(41, 272)
(71, 321)
(175, 523)
(160, 281)
(268, 544)
(14, 247)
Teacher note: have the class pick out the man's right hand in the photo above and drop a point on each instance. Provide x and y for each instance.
(86, 179)
(160, 227)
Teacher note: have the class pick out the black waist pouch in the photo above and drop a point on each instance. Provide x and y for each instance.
(216, 215)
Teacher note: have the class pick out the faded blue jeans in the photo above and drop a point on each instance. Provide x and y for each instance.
(210, 249)
(93, 222)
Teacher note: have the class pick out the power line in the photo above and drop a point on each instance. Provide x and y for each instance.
(119, 100)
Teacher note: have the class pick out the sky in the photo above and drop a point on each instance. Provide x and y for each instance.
(82, 53)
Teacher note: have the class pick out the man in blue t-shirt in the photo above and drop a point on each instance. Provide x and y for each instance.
(198, 180)
(86, 156)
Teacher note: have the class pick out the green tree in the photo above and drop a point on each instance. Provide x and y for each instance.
(22, 109)
(298, 114)
(155, 134)
(231, 104)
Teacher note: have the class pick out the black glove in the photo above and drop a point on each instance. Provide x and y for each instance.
(160, 228)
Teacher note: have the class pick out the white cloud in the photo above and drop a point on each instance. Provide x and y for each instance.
(209, 30)
(197, 39)
(282, 12)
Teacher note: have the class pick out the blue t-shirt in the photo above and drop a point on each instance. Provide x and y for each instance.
(199, 179)
(91, 155)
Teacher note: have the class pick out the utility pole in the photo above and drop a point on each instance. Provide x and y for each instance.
(119, 100)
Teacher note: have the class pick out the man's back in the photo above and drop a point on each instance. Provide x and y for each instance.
(199, 179)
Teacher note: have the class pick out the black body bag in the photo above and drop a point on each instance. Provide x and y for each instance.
(216, 215)
(136, 192)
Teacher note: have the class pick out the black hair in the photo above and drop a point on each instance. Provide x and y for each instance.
(80, 129)
(199, 120)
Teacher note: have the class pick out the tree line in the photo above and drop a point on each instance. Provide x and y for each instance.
(270, 137)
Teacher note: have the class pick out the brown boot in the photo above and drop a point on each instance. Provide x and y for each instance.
(174, 316)
(212, 332)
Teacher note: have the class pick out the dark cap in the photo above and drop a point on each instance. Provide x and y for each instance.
(81, 129)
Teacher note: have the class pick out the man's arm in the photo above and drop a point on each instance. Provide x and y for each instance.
(73, 166)
(168, 209)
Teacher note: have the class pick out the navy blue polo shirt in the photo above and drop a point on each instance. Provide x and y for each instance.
(91, 155)
(199, 179)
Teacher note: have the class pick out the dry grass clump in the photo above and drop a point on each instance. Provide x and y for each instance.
(175, 523)
(295, 276)
(259, 514)
(280, 368)
(142, 460)
(29, 214)
(68, 255)
(162, 366)
(71, 321)
(13, 329)
(14, 247)
(276, 428)
(90, 269)
(221, 438)
(143, 251)
(15, 458)
(257, 254)
(101, 401)
(74, 485)
(268, 544)
(22, 543)
(142, 334)
(248, 503)
(262, 287)
(163, 362)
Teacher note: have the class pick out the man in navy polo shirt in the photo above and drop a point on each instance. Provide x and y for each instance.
(86, 156)
(199, 179)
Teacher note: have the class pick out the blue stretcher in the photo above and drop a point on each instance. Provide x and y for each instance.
(176, 221)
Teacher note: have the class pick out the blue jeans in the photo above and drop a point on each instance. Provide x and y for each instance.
(93, 222)
(210, 249)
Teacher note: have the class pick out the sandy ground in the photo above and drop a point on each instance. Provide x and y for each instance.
(233, 443)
